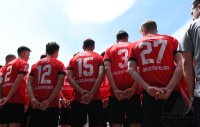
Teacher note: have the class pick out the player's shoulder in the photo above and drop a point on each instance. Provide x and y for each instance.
(95, 54)
(137, 42)
(195, 23)
(18, 62)
(2, 69)
(56, 62)
(118, 46)
(122, 44)
(166, 37)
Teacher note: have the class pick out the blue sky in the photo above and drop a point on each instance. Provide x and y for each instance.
(68, 22)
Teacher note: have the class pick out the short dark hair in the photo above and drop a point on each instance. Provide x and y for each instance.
(121, 35)
(103, 53)
(1, 66)
(22, 48)
(51, 47)
(43, 56)
(149, 25)
(195, 3)
(88, 43)
(9, 56)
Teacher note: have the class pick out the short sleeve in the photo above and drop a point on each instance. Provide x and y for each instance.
(186, 42)
(132, 55)
(61, 69)
(70, 67)
(32, 70)
(23, 69)
(175, 45)
(101, 61)
(106, 56)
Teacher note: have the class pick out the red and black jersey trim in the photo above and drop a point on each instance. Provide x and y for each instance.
(107, 60)
(61, 73)
(69, 68)
(101, 64)
(132, 59)
(31, 74)
(176, 52)
(22, 72)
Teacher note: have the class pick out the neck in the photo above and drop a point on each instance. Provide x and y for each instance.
(50, 56)
(88, 50)
(22, 58)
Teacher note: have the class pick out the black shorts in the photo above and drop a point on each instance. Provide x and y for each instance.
(12, 113)
(128, 110)
(26, 118)
(196, 104)
(151, 110)
(94, 110)
(65, 116)
(47, 118)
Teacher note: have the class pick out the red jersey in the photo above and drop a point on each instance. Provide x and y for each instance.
(67, 91)
(105, 88)
(26, 101)
(45, 73)
(155, 57)
(85, 66)
(118, 55)
(10, 73)
(1, 70)
(1, 80)
(1, 74)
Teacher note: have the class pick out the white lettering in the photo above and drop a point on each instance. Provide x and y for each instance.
(155, 68)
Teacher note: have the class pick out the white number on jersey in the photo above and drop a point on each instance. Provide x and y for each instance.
(8, 72)
(47, 72)
(149, 50)
(84, 68)
(123, 58)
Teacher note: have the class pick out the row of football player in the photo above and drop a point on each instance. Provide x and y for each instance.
(159, 73)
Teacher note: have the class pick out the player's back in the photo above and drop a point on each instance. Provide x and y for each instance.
(45, 73)
(155, 57)
(117, 55)
(86, 67)
(10, 73)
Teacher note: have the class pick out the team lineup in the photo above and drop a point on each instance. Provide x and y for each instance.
(128, 85)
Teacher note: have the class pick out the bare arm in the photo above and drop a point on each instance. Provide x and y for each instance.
(151, 90)
(73, 83)
(56, 90)
(88, 97)
(109, 75)
(13, 89)
(30, 87)
(188, 71)
(178, 72)
(60, 81)
(135, 75)
(15, 86)
(61, 95)
(98, 80)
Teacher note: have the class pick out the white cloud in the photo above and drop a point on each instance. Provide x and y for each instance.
(19, 26)
(179, 33)
(96, 11)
